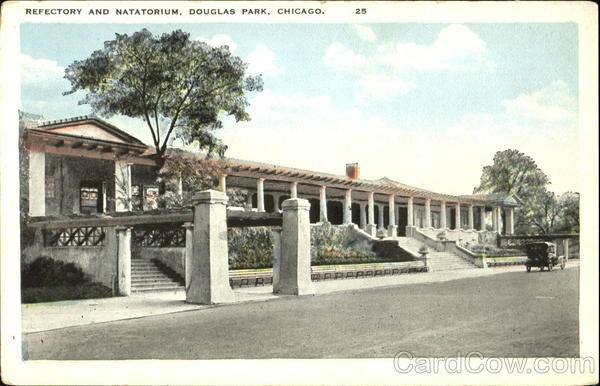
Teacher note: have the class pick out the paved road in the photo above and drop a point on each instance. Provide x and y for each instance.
(509, 314)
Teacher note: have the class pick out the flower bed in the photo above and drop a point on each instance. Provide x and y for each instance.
(250, 248)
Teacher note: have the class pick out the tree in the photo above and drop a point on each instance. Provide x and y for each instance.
(569, 212)
(512, 174)
(179, 87)
(515, 174)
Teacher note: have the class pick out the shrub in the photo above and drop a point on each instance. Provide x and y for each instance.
(250, 248)
(47, 272)
(55, 293)
(491, 251)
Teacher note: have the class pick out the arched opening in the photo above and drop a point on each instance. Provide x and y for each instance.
(269, 202)
(282, 199)
(335, 212)
(386, 216)
(315, 207)
(402, 221)
(355, 213)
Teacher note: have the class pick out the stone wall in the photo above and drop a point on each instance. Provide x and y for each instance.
(99, 262)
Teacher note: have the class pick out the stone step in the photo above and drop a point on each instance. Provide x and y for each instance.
(162, 289)
(153, 280)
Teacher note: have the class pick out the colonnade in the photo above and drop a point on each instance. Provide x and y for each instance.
(369, 223)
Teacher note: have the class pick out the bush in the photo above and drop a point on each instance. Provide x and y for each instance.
(47, 272)
(250, 248)
(334, 257)
(71, 292)
(491, 251)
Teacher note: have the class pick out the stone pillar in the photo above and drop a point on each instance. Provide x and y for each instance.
(124, 260)
(122, 186)
(471, 218)
(499, 218)
(294, 190)
(223, 183)
(37, 184)
(457, 215)
(363, 217)
(566, 249)
(260, 195)
(209, 280)
(443, 215)
(510, 221)
(381, 219)
(276, 256)
(348, 207)
(428, 213)
(189, 252)
(276, 207)
(495, 219)
(323, 204)
(392, 228)
(293, 270)
(371, 227)
(410, 215)
(482, 218)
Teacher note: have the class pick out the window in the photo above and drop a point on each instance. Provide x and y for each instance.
(90, 197)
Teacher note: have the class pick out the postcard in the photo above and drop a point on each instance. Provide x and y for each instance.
(299, 192)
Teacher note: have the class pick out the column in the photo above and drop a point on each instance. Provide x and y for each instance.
(380, 220)
(37, 184)
(566, 249)
(392, 228)
(293, 270)
(323, 204)
(260, 195)
(209, 279)
(428, 213)
(499, 218)
(189, 252)
(122, 186)
(294, 190)
(223, 183)
(510, 221)
(457, 215)
(276, 207)
(495, 219)
(471, 218)
(482, 218)
(371, 227)
(443, 215)
(348, 207)
(410, 212)
(363, 217)
(124, 260)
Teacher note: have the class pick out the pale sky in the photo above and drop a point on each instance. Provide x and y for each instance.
(425, 104)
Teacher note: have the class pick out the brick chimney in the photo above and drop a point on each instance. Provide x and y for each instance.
(353, 171)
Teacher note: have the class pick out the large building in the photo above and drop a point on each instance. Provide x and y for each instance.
(85, 165)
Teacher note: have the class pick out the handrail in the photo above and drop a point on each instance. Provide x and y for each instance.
(234, 218)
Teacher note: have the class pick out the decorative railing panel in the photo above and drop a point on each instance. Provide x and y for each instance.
(75, 237)
(172, 235)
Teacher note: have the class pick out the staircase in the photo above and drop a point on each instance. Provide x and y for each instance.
(446, 261)
(146, 276)
(437, 261)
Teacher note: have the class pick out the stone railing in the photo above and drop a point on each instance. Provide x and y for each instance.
(446, 246)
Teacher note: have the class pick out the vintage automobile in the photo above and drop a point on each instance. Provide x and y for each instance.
(543, 254)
